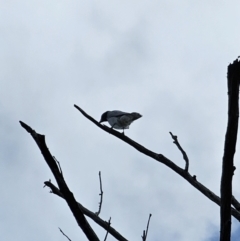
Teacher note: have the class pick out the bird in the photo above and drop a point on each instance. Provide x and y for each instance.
(119, 119)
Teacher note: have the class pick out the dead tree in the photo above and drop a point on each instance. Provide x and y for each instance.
(229, 150)
(229, 206)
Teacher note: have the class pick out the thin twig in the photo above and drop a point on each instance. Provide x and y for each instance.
(46, 185)
(145, 232)
(89, 213)
(185, 157)
(64, 234)
(100, 194)
(109, 224)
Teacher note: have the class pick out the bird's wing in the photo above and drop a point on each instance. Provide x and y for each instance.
(116, 113)
(125, 119)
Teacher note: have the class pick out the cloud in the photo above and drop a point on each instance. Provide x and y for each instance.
(165, 60)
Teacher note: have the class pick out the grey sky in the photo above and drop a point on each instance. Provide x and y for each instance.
(164, 59)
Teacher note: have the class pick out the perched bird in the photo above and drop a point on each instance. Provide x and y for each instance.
(118, 119)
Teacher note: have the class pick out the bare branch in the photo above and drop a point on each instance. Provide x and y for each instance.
(88, 213)
(68, 195)
(164, 160)
(64, 234)
(101, 195)
(109, 224)
(144, 237)
(235, 203)
(185, 157)
(229, 150)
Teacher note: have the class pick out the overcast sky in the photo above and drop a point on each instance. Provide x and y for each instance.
(164, 59)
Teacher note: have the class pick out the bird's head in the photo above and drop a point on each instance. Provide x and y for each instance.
(103, 117)
(136, 115)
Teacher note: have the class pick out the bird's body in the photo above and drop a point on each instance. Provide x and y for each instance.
(119, 119)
